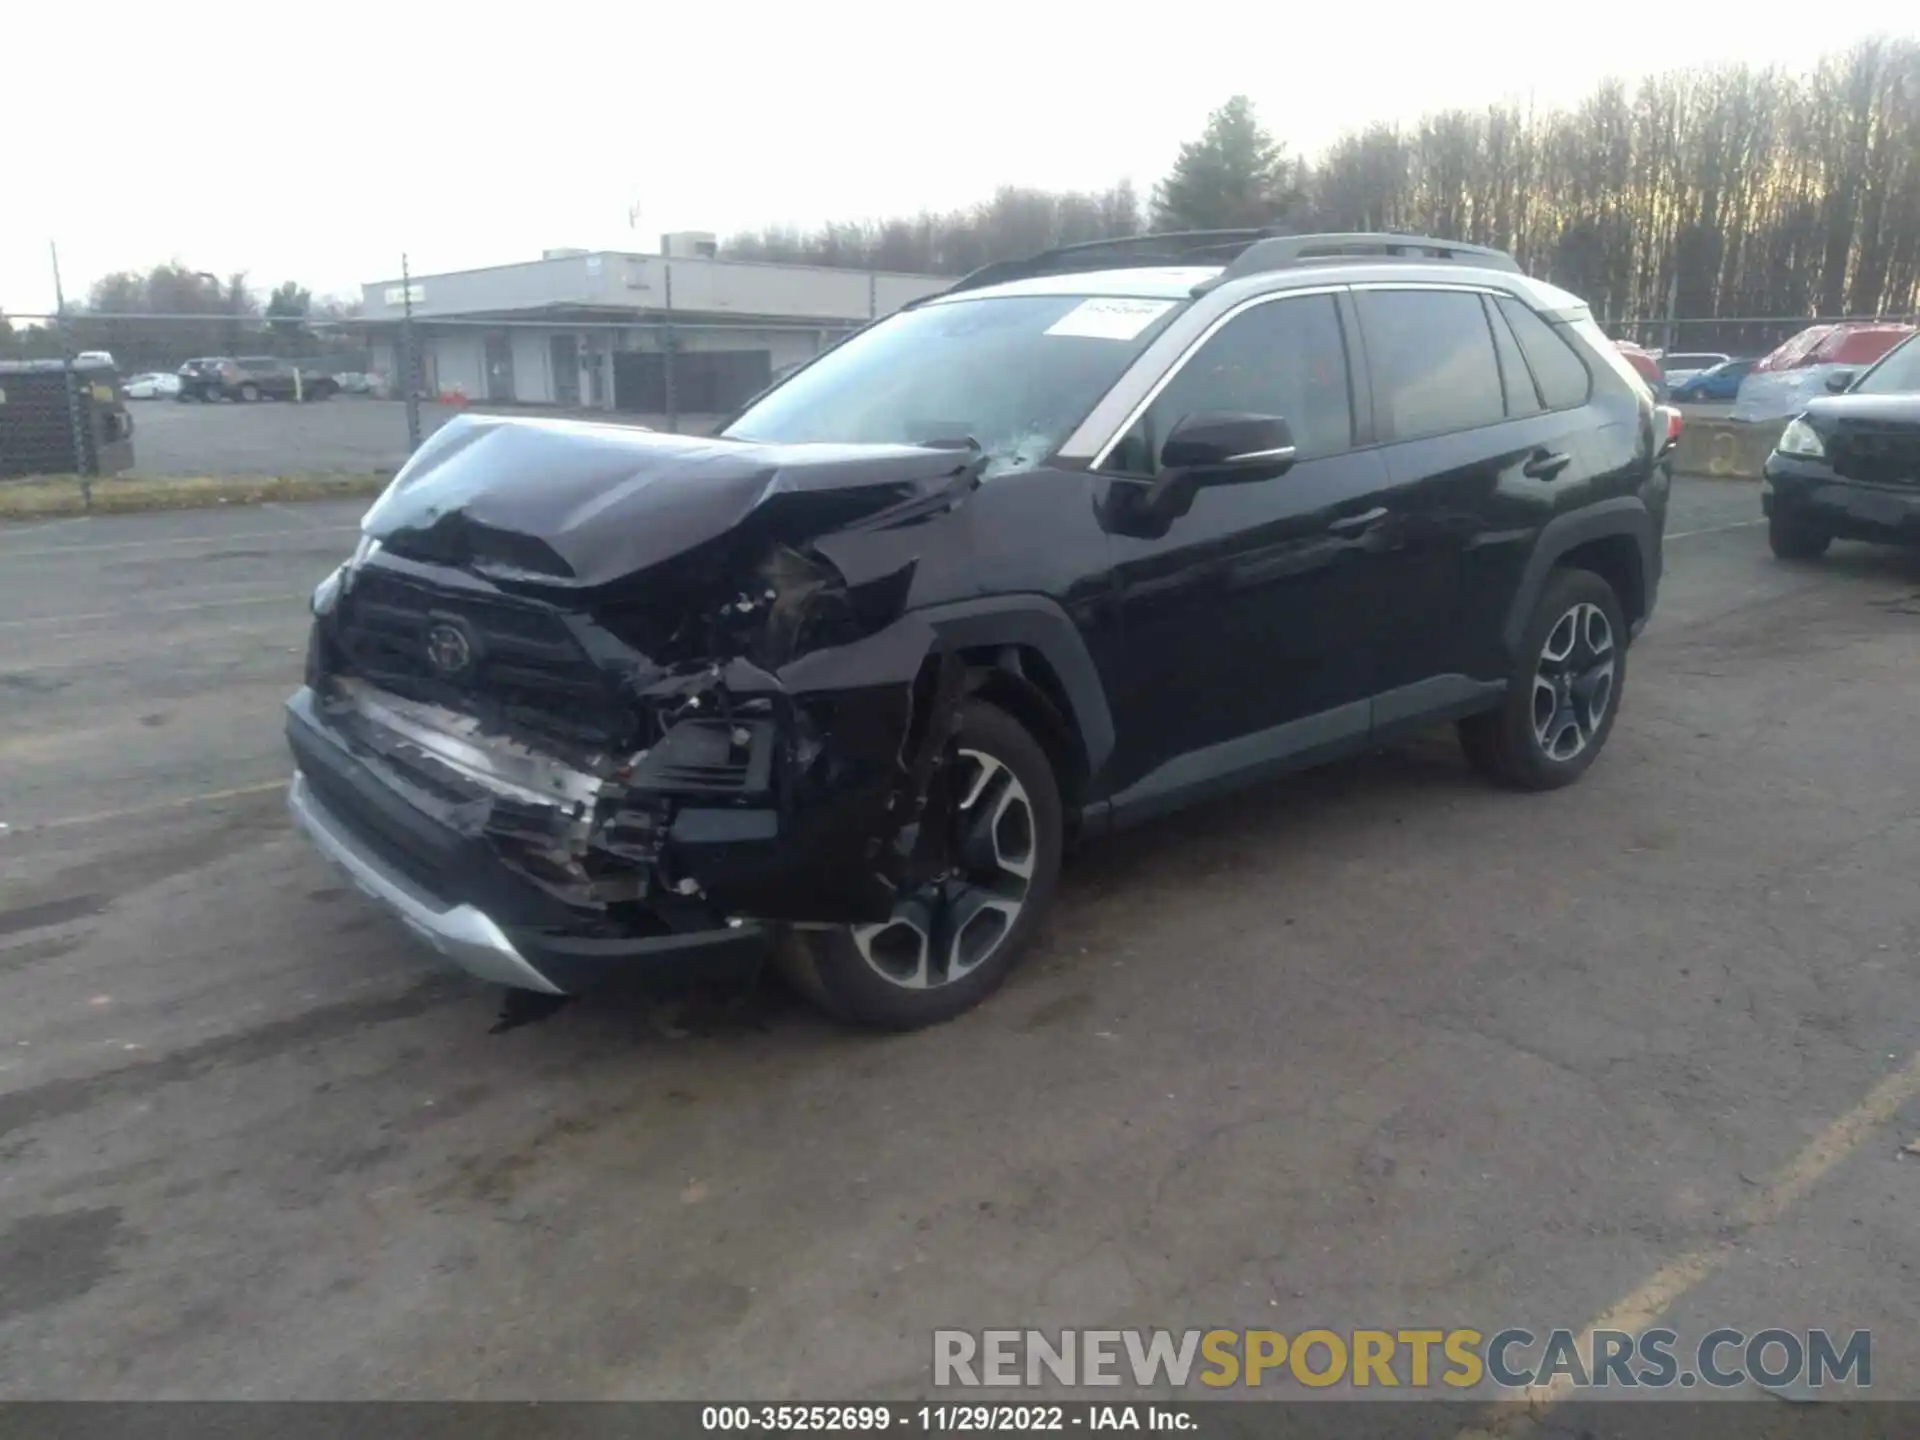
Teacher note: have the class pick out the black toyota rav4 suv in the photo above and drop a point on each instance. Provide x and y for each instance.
(1848, 466)
(1077, 541)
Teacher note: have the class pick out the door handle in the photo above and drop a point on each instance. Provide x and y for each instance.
(1545, 464)
(1351, 524)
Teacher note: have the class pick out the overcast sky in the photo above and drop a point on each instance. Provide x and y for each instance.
(316, 142)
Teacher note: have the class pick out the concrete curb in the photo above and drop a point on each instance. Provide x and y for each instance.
(58, 497)
(1726, 449)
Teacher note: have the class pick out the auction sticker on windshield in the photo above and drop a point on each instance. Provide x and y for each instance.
(1107, 318)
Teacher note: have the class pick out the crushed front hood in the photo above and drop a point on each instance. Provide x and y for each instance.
(571, 504)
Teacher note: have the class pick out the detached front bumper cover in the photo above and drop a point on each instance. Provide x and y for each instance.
(460, 932)
(833, 810)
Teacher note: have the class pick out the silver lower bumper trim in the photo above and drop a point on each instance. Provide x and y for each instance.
(460, 932)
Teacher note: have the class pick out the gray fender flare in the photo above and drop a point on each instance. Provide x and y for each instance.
(1623, 515)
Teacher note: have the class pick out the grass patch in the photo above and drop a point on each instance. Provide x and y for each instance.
(120, 494)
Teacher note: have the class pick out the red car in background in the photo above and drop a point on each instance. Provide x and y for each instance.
(1846, 343)
(1780, 386)
(1646, 364)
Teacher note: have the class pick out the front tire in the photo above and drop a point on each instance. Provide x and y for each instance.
(1561, 701)
(1796, 542)
(952, 943)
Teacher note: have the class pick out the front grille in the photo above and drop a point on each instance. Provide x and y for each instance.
(1878, 457)
(526, 667)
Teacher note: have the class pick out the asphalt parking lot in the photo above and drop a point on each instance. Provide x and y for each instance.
(1377, 1046)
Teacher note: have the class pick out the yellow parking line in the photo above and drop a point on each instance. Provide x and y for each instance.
(1637, 1310)
(206, 797)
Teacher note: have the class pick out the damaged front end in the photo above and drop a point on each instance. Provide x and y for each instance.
(610, 689)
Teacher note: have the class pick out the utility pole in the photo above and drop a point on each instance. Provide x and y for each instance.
(409, 355)
(83, 461)
(59, 296)
(672, 345)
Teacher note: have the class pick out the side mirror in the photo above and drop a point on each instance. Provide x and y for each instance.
(1839, 381)
(1226, 448)
(1208, 448)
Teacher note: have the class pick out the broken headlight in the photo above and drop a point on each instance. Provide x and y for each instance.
(326, 594)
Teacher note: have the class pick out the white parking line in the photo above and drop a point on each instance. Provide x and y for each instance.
(267, 597)
(13, 530)
(1717, 529)
(205, 797)
(294, 515)
(306, 533)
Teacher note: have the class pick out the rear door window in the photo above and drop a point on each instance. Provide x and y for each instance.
(1431, 358)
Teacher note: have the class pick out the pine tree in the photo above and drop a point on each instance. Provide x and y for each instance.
(1234, 175)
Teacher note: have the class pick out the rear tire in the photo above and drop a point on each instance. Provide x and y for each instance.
(1796, 542)
(889, 977)
(249, 393)
(1564, 693)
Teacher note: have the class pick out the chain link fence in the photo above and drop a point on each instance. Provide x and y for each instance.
(186, 396)
(1737, 337)
(240, 395)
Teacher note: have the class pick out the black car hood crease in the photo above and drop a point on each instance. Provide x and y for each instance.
(577, 505)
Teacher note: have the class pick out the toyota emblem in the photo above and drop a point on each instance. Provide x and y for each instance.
(449, 651)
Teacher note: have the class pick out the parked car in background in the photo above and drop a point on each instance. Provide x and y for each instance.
(1783, 381)
(1848, 467)
(153, 385)
(96, 357)
(1682, 367)
(1721, 383)
(199, 379)
(1646, 364)
(247, 378)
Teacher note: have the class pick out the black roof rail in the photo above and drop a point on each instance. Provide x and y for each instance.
(1281, 251)
(1242, 252)
(1175, 247)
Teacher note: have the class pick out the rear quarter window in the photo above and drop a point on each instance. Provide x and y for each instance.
(1558, 370)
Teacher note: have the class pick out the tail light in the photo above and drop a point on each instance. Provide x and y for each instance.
(1674, 422)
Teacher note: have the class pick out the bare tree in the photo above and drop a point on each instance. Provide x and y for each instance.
(1721, 193)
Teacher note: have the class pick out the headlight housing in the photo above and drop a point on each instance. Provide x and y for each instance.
(327, 593)
(1801, 439)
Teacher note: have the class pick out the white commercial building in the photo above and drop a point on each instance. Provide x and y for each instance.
(592, 328)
